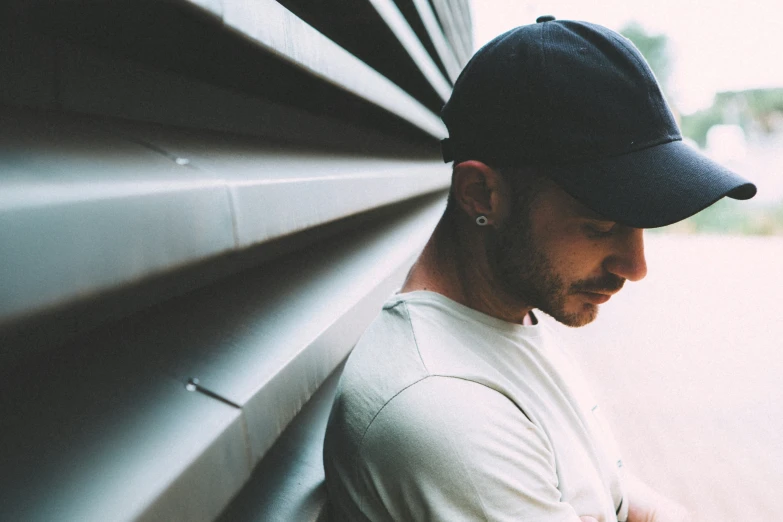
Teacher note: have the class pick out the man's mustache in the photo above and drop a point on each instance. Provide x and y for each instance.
(606, 284)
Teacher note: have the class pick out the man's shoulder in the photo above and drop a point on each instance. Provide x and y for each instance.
(438, 408)
(445, 445)
(384, 361)
(413, 339)
(386, 358)
(430, 419)
(403, 345)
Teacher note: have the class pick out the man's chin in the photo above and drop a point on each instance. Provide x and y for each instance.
(585, 315)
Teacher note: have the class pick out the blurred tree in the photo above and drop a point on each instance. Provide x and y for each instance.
(757, 111)
(761, 107)
(696, 125)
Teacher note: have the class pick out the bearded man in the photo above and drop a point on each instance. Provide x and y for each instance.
(459, 403)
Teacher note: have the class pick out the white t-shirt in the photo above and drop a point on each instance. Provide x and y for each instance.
(445, 413)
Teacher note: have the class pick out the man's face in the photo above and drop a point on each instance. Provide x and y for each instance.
(562, 258)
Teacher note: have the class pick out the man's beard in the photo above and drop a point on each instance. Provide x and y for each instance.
(525, 273)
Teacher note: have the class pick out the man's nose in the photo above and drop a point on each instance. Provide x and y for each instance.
(627, 261)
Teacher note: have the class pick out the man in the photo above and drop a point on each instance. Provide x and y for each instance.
(458, 402)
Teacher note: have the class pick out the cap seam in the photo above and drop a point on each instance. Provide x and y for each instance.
(587, 159)
(647, 145)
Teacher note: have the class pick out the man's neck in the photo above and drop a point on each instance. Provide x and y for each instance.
(454, 264)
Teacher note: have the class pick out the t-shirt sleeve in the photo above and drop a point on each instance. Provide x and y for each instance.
(451, 449)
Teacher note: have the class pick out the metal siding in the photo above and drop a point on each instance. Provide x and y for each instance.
(444, 50)
(279, 31)
(210, 190)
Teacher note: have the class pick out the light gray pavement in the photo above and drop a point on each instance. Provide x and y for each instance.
(688, 368)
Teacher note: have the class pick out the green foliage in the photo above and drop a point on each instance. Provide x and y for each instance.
(757, 101)
(755, 110)
(695, 126)
(729, 216)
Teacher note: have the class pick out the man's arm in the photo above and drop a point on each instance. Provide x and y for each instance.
(647, 505)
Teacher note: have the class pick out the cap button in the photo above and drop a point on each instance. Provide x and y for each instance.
(544, 18)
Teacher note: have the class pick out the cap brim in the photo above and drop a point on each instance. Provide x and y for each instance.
(653, 187)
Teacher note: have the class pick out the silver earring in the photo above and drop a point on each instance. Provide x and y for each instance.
(482, 221)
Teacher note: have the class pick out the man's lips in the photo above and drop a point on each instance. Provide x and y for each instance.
(599, 290)
(597, 297)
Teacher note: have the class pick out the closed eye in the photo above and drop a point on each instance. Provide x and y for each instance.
(600, 229)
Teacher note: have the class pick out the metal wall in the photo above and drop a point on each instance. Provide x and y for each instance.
(202, 205)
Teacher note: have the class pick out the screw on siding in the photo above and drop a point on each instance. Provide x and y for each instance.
(193, 385)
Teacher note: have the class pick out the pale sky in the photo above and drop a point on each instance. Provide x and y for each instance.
(715, 45)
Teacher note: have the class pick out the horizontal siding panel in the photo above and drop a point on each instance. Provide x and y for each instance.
(396, 21)
(449, 17)
(266, 338)
(82, 211)
(264, 207)
(288, 484)
(442, 47)
(375, 33)
(98, 436)
(88, 209)
(95, 82)
(281, 32)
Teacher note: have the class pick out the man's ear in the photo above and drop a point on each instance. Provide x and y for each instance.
(479, 190)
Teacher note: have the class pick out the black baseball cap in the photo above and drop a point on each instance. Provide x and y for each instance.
(578, 102)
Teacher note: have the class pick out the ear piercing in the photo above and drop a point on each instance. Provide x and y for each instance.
(482, 221)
